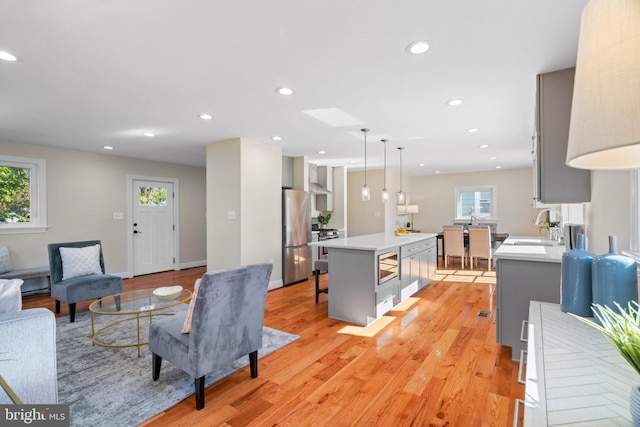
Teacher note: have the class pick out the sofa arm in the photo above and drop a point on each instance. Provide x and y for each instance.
(28, 355)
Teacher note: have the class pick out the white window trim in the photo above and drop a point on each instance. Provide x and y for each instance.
(460, 216)
(38, 196)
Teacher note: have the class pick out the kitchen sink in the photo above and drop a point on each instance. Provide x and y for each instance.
(531, 242)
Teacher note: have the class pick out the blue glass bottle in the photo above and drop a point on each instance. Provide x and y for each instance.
(576, 295)
(615, 278)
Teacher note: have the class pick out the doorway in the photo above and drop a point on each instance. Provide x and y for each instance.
(153, 234)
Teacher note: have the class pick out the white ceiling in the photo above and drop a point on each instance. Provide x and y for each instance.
(96, 72)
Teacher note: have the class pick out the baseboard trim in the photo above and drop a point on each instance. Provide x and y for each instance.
(275, 284)
(193, 264)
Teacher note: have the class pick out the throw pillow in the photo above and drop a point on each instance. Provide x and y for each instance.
(80, 261)
(187, 321)
(5, 261)
(10, 296)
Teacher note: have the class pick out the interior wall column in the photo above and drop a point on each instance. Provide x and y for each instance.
(244, 180)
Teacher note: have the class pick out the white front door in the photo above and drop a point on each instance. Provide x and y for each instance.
(153, 226)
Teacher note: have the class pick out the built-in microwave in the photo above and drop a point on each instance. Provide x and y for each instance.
(387, 266)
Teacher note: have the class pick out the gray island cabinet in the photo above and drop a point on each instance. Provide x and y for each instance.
(528, 269)
(369, 275)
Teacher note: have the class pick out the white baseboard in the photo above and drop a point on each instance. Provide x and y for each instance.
(185, 265)
(275, 284)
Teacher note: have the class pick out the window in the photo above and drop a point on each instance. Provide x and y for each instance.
(153, 196)
(479, 201)
(22, 195)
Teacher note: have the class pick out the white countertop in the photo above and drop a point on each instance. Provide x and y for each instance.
(374, 242)
(530, 248)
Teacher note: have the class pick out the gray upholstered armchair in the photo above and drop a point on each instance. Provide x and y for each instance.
(88, 285)
(228, 313)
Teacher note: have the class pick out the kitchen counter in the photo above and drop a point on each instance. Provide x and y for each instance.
(528, 268)
(369, 275)
(374, 242)
(575, 376)
(530, 248)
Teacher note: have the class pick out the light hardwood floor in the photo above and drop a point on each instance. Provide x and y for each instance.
(433, 362)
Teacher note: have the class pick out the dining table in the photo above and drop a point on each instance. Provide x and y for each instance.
(495, 238)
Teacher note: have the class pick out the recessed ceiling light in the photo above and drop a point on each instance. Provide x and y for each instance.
(6, 56)
(205, 116)
(321, 152)
(473, 130)
(284, 91)
(421, 164)
(484, 146)
(417, 47)
(353, 161)
(454, 102)
(276, 138)
(437, 171)
(108, 147)
(492, 158)
(413, 138)
(149, 134)
(498, 167)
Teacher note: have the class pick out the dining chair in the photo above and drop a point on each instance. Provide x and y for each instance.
(480, 245)
(454, 243)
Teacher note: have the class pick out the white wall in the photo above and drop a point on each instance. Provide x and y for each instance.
(609, 210)
(244, 177)
(434, 194)
(85, 189)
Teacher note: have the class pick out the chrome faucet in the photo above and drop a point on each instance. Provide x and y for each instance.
(536, 221)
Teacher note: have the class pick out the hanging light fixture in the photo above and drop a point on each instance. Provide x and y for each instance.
(385, 192)
(401, 196)
(366, 193)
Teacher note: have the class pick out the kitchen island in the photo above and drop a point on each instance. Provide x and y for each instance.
(370, 274)
(528, 268)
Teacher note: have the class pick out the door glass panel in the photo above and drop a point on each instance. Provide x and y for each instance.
(153, 196)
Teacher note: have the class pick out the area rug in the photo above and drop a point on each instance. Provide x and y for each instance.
(113, 386)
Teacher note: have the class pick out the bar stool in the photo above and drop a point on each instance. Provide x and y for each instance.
(320, 266)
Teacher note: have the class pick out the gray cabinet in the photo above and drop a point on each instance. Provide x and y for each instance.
(554, 181)
(418, 266)
(518, 283)
(324, 202)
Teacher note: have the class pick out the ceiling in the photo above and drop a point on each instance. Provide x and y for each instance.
(95, 73)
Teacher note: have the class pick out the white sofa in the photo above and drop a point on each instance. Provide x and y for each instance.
(27, 352)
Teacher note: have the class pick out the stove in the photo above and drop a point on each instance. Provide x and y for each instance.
(328, 233)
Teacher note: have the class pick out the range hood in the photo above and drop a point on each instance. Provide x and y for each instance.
(314, 186)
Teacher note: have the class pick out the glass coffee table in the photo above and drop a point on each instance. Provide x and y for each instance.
(135, 305)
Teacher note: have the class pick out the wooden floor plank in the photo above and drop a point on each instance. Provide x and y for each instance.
(435, 362)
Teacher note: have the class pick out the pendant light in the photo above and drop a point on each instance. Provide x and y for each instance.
(366, 193)
(401, 196)
(385, 192)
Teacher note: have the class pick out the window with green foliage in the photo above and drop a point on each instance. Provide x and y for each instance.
(153, 196)
(22, 195)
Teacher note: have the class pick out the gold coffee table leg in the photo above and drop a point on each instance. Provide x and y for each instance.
(93, 333)
(138, 320)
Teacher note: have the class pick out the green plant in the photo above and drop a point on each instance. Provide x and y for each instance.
(622, 327)
(324, 219)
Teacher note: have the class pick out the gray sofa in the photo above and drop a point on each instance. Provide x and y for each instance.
(28, 356)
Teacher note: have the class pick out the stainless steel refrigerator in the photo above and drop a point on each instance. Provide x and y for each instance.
(296, 233)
